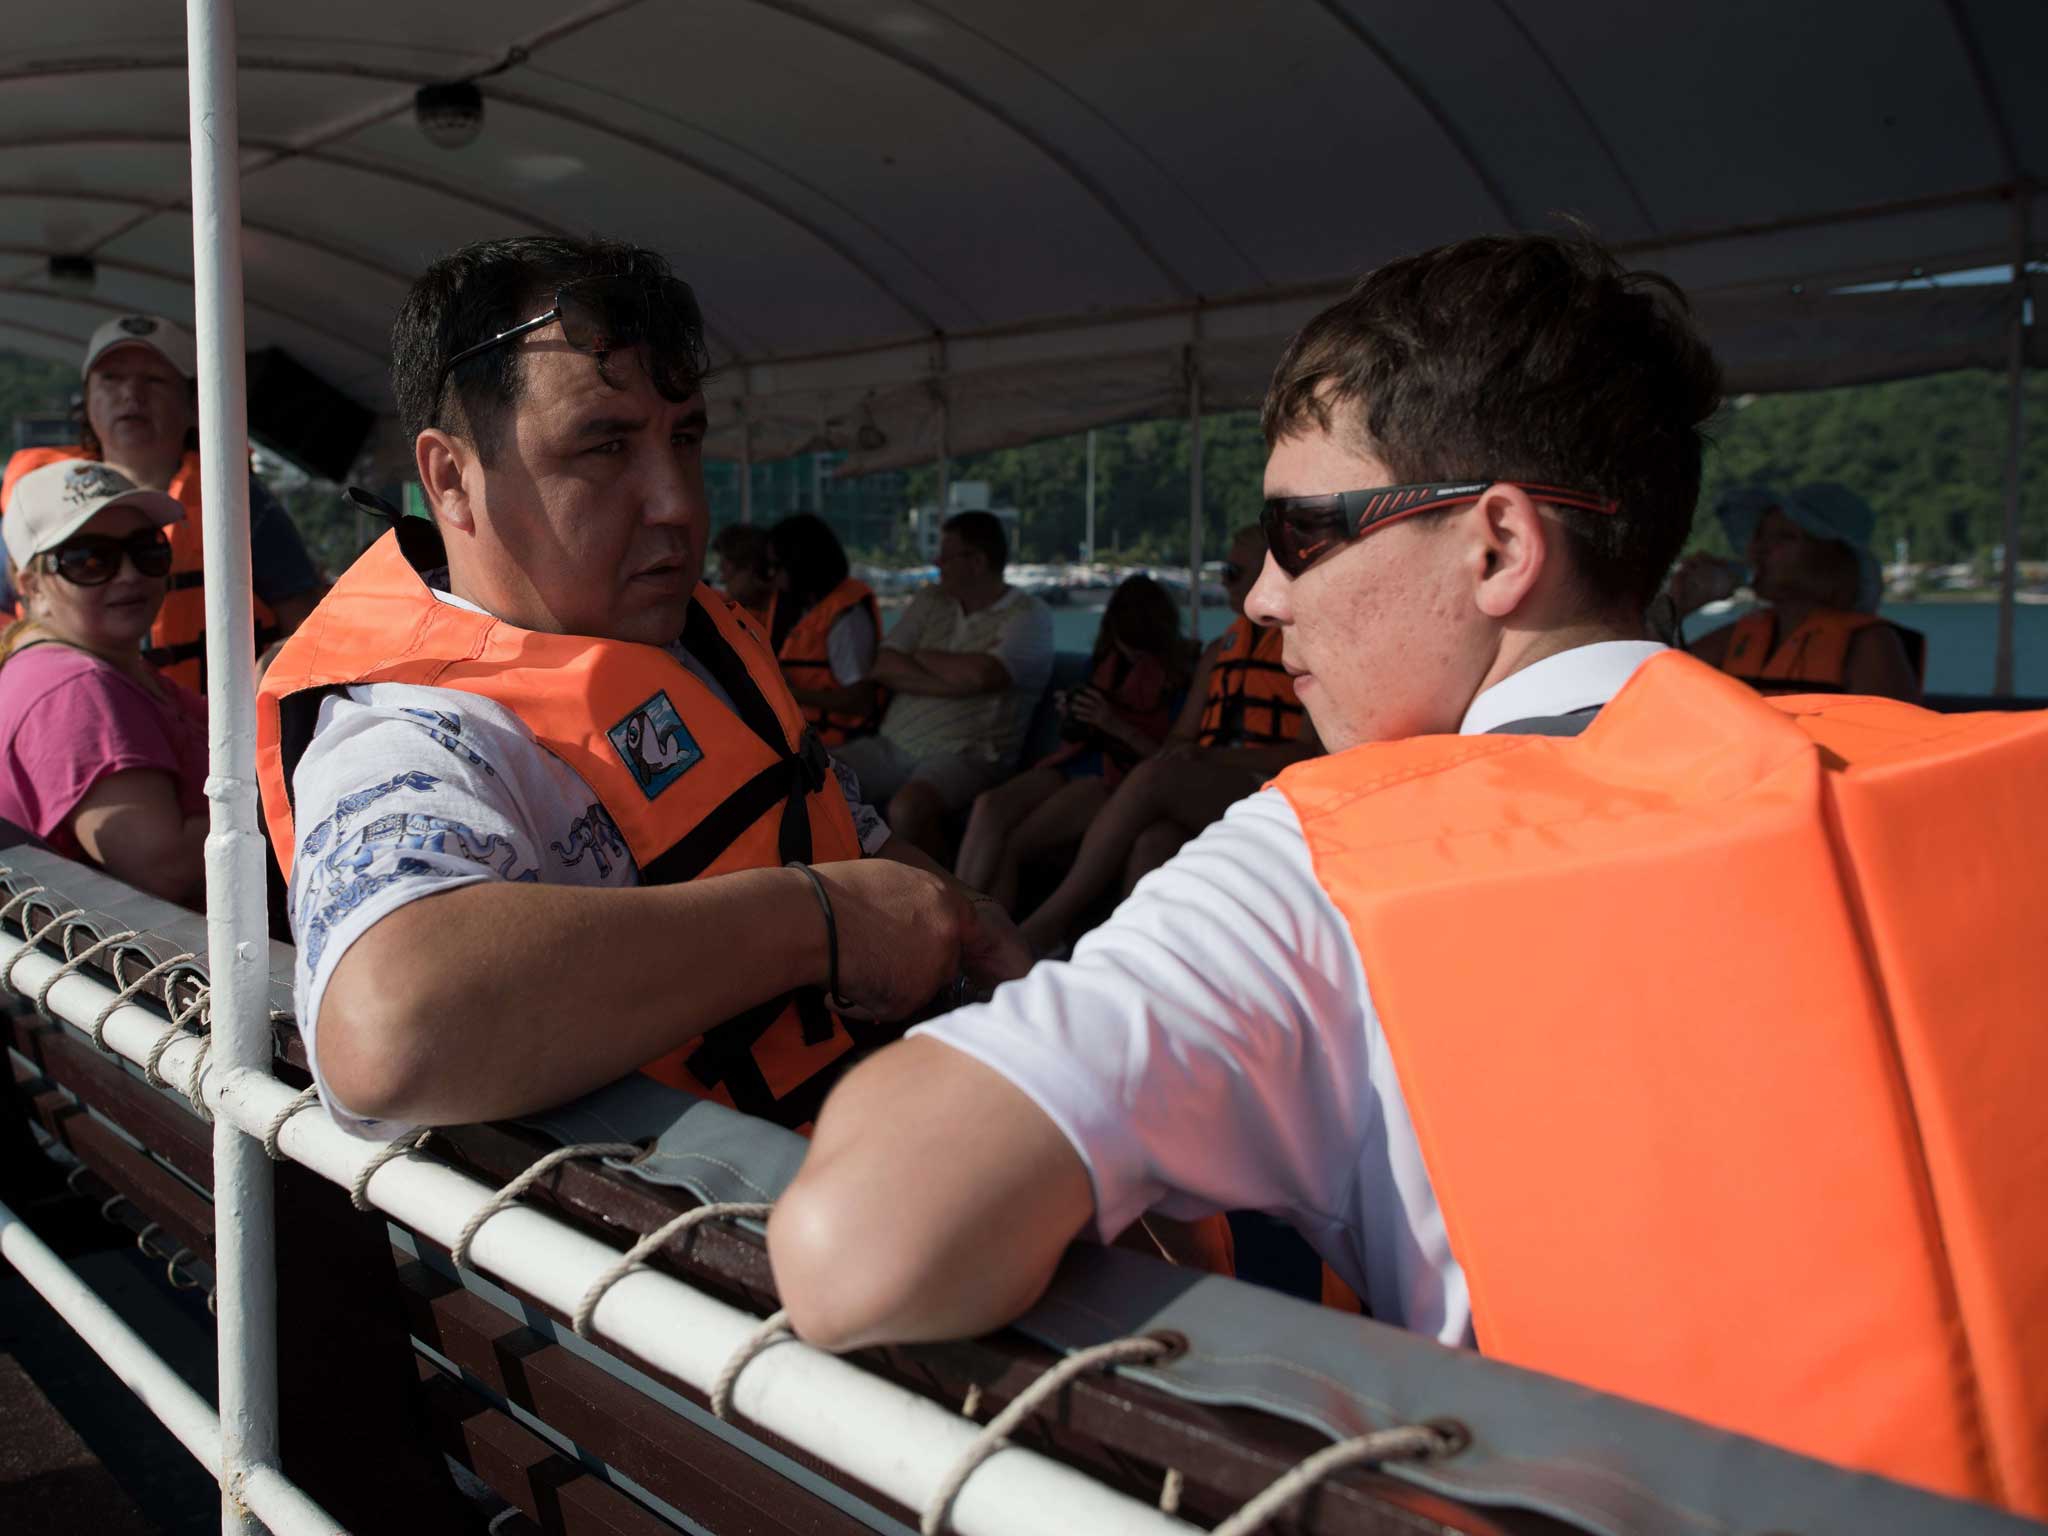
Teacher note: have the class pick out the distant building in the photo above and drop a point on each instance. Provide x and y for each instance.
(961, 496)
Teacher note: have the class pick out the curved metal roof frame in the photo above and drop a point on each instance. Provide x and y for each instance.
(888, 190)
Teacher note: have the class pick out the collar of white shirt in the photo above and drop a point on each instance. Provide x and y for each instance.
(1559, 685)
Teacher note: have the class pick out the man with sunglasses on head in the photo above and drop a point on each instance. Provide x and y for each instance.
(101, 754)
(547, 810)
(1581, 1003)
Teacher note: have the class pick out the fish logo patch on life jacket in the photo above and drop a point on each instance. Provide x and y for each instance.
(655, 746)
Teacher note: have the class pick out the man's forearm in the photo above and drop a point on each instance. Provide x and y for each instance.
(557, 990)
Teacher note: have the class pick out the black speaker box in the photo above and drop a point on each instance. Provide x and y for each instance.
(303, 418)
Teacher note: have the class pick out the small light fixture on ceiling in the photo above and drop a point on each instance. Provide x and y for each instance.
(74, 273)
(451, 114)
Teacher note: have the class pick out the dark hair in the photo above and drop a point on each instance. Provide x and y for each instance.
(981, 531)
(1532, 358)
(809, 552)
(1143, 615)
(490, 286)
(742, 545)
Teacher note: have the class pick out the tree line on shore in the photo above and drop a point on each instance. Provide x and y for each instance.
(1928, 453)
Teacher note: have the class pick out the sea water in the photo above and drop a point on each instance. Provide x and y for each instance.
(1962, 640)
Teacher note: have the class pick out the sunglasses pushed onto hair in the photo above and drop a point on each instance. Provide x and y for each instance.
(94, 559)
(608, 314)
(1300, 530)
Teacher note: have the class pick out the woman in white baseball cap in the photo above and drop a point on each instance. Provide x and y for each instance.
(101, 755)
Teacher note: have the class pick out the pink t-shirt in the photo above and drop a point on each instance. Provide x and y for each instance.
(68, 719)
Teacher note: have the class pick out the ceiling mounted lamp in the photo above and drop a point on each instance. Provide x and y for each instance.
(451, 114)
(75, 274)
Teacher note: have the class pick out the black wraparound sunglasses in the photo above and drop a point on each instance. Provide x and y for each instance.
(94, 559)
(1302, 529)
(605, 314)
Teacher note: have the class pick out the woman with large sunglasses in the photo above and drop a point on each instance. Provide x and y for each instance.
(101, 755)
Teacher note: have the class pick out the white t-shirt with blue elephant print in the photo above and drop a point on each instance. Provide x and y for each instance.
(407, 791)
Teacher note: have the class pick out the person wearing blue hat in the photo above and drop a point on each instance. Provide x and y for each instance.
(1816, 627)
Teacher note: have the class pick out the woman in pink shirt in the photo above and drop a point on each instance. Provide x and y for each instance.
(100, 754)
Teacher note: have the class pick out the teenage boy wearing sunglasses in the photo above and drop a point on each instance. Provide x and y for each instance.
(101, 754)
(1572, 1036)
(534, 786)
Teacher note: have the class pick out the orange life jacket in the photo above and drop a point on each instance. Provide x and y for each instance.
(1721, 1028)
(177, 641)
(1251, 700)
(694, 788)
(807, 660)
(1816, 652)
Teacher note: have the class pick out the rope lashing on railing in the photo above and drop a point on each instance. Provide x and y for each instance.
(142, 1247)
(1170, 1488)
(200, 1008)
(359, 1186)
(1403, 1442)
(72, 963)
(532, 1176)
(127, 994)
(639, 1253)
(30, 943)
(307, 1097)
(773, 1328)
(1129, 1351)
(17, 905)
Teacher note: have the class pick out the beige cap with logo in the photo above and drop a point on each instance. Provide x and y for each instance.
(50, 504)
(170, 342)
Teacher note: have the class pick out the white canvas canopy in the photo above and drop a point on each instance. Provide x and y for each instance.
(970, 223)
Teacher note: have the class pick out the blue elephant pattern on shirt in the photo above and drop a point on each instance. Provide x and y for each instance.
(359, 865)
(594, 833)
(446, 728)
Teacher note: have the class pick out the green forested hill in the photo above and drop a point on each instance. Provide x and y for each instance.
(1929, 453)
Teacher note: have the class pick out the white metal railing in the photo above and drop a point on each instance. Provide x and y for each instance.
(888, 1437)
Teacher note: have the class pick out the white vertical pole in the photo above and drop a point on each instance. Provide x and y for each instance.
(1088, 546)
(746, 465)
(2008, 580)
(1194, 491)
(237, 920)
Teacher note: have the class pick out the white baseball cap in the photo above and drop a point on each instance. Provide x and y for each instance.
(170, 342)
(50, 504)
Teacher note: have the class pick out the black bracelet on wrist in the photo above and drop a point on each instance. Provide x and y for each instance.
(831, 931)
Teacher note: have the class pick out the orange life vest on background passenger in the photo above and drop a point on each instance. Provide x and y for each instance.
(1721, 1026)
(695, 788)
(1251, 700)
(807, 660)
(1816, 652)
(177, 641)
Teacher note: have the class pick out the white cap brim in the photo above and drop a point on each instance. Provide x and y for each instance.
(163, 510)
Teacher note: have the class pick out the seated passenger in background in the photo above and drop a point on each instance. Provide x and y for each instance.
(101, 755)
(746, 571)
(964, 665)
(1119, 718)
(825, 628)
(514, 773)
(141, 417)
(1809, 555)
(1241, 725)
